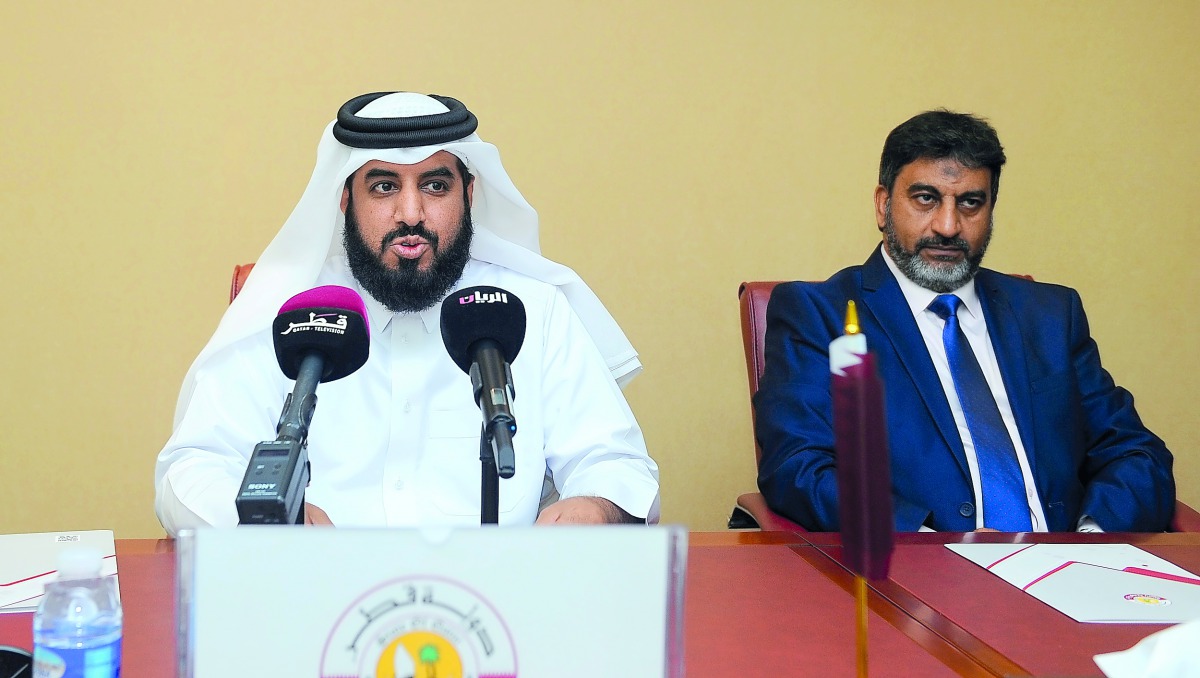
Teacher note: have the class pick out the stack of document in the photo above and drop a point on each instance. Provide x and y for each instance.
(1097, 583)
(28, 561)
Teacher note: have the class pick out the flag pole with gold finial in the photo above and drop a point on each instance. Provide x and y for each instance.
(863, 470)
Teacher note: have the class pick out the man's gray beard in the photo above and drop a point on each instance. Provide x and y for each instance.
(938, 276)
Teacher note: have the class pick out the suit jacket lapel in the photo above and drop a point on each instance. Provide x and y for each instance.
(1005, 333)
(885, 304)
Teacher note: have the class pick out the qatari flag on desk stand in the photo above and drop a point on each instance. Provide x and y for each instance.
(863, 471)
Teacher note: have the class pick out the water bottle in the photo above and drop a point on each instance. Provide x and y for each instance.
(77, 628)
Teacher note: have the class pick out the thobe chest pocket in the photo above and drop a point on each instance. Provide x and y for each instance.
(450, 470)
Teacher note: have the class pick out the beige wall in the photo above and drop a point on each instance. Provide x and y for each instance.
(673, 150)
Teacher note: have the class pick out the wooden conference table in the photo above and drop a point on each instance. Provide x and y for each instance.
(778, 604)
(1004, 630)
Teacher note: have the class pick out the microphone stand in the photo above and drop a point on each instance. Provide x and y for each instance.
(489, 505)
(496, 455)
(272, 490)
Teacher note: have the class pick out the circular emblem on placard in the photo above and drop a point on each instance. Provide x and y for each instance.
(420, 626)
(1147, 599)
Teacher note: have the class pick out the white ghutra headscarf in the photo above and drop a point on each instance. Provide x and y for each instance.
(506, 234)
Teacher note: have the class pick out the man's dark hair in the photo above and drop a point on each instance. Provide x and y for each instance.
(961, 137)
(463, 174)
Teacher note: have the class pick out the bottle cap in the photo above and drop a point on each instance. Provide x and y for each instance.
(79, 563)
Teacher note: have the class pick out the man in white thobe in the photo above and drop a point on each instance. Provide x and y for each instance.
(406, 205)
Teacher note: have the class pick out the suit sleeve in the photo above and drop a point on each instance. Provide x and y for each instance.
(794, 414)
(1128, 483)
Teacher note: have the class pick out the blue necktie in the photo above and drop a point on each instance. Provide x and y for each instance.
(1005, 507)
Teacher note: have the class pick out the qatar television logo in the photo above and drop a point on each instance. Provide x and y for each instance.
(420, 627)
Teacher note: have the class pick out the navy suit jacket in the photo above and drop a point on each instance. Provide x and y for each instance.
(1087, 447)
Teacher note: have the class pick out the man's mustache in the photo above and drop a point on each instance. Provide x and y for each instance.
(405, 230)
(942, 242)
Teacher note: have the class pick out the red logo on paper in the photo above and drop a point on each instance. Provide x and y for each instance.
(1147, 599)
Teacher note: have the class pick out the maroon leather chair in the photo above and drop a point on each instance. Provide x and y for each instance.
(751, 508)
(240, 273)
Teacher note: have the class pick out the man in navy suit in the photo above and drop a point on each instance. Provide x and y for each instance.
(1024, 420)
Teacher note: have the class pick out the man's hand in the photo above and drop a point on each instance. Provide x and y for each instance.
(583, 511)
(313, 515)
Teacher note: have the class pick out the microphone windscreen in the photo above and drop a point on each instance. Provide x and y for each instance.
(329, 320)
(482, 312)
(327, 296)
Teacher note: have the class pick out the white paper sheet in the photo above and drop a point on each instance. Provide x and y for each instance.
(1170, 653)
(1095, 583)
(28, 561)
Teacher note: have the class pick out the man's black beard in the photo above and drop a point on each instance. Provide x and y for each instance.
(940, 277)
(407, 289)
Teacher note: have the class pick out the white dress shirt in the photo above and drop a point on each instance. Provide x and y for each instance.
(397, 442)
(974, 326)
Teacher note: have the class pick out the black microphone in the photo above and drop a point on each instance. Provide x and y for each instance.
(483, 329)
(320, 335)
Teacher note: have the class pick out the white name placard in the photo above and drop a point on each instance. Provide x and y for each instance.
(471, 603)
